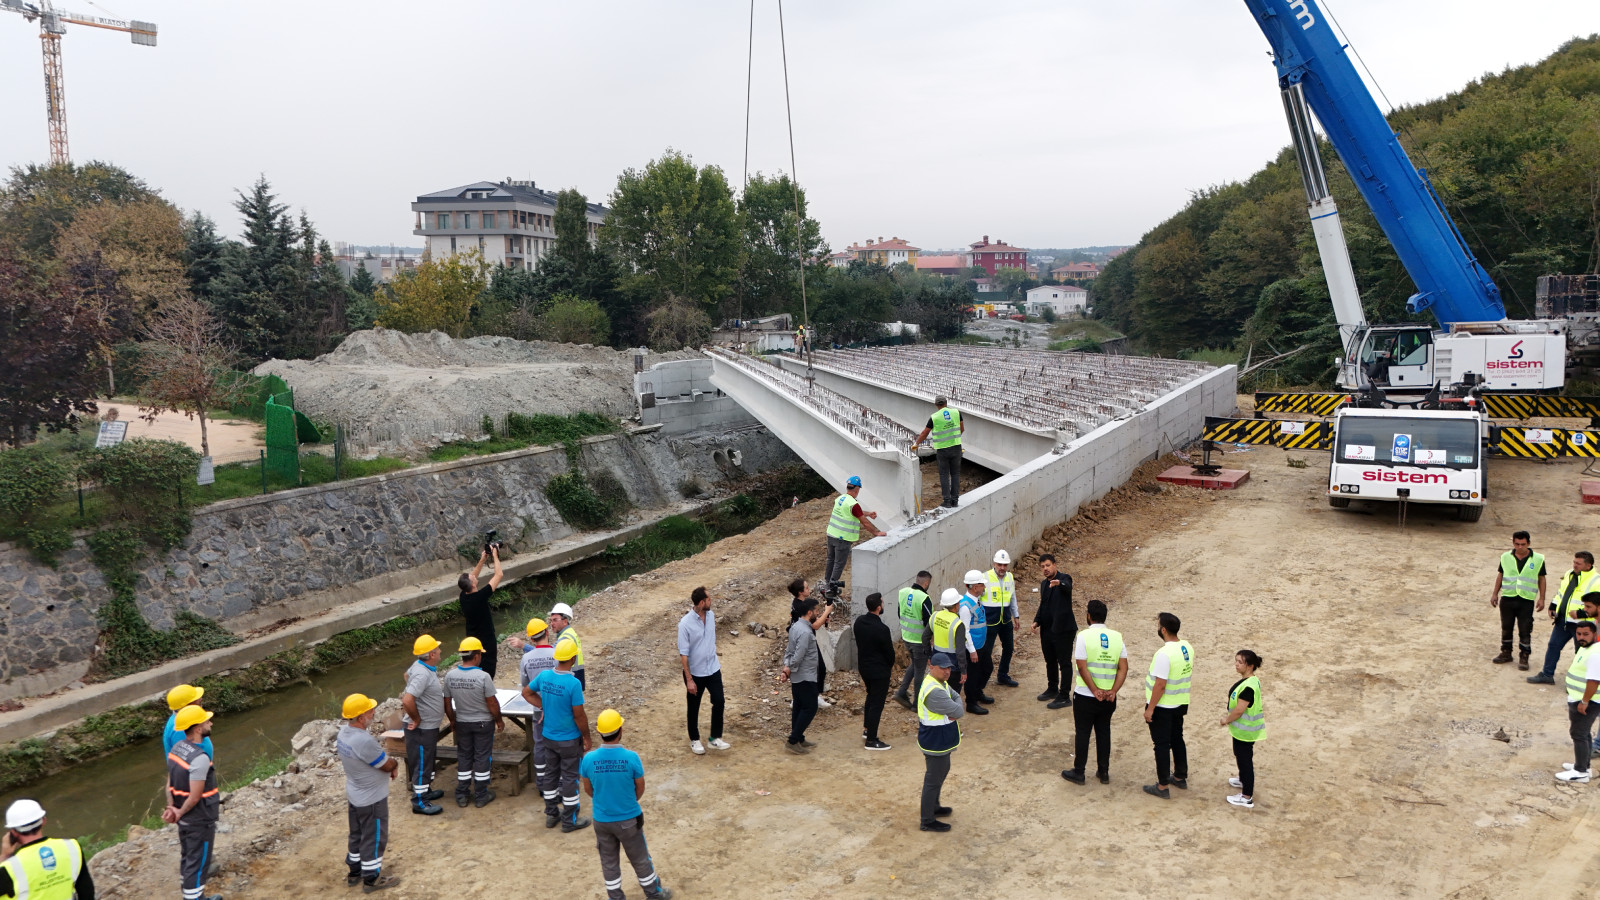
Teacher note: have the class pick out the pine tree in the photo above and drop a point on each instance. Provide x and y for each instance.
(255, 313)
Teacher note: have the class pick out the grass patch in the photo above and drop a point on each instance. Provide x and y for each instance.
(263, 766)
(1215, 357)
(1083, 329)
(518, 432)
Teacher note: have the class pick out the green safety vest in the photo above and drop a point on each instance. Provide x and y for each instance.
(1520, 583)
(46, 870)
(912, 630)
(1103, 647)
(1579, 673)
(842, 524)
(572, 635)
(1252, 726)
(1571, 607)
(938, 734)
(944, 624)
(946, 429)
(999, 592)
(1180, 666)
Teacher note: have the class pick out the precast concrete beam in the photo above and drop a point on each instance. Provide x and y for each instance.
(990, 442)
(891, 481)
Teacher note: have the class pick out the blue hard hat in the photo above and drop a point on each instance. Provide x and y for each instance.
(855, 481)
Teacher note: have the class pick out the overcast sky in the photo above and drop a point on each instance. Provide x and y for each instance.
(1047, 123)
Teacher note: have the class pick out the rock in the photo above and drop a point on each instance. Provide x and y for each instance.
(222, 828)
(137, 831)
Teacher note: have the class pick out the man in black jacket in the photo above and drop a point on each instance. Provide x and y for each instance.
(875, 659)
(1057, 628)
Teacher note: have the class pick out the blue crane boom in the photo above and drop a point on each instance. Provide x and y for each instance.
(1312, 61)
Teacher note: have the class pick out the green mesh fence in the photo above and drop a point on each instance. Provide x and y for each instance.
(283, 438)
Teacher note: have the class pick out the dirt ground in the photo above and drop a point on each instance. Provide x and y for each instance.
(231, 440)
(1380, 775)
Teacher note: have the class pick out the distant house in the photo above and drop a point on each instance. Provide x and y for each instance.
(842, 259)
(1062, 299)
(986, 285)
(1079, 271)
(510, 222)
(998, 255)
(944, 264)
(888, 253)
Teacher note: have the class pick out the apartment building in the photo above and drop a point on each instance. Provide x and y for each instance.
(510, 222)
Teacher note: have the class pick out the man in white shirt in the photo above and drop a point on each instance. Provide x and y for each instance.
(702, 671)
(1098, 677)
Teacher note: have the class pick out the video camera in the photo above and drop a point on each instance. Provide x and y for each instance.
(491, 541)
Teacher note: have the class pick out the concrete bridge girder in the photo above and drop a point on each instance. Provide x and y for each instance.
(891, 480)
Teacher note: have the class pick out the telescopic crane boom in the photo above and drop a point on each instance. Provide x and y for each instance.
(52, 25)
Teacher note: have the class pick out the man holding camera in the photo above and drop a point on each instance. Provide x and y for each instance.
(475, 604)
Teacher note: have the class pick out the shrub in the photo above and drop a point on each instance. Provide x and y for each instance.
(31, 481)
(141, 477)
(573, 320)
(577, 502)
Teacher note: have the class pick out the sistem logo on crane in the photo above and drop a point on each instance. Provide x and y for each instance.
(1302, 14)
(1514, 360)
(1516, 351)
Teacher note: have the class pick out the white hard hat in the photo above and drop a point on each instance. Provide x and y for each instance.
(561, 609)
(1002, 558)
(950, 597)
(23, 815)
(973, 577)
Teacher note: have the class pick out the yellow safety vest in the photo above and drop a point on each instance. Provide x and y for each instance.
(572, 635)
(912, 630)
(1571, 607)
(1578, 674)
(1522, 582)
(1103, 648)
(938, 734)
(1180, 666)
(999, 592)
(842, 523)
(46, 870)
(1252, 726)
(946, 429)
(944, 624)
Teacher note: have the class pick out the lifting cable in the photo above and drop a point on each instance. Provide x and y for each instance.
(794, 182)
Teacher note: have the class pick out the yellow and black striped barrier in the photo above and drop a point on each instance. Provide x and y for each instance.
(1310, 403)
(1269, 433)
(1526, 406)
(1543, 443)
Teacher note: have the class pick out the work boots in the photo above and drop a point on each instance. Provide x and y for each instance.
(573, 822)
(552, 814)
(1504, 657)
(1522, 661)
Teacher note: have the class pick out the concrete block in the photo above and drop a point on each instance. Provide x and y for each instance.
(1590, 491)
(1225, 480)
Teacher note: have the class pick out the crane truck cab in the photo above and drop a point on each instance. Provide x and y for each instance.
(1420, 456)
(1495, 356)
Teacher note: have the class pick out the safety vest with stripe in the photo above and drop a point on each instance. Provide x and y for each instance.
(912, 629)
(571, 635)
(842, 523)
(944, 624)
(946, 429)
(998, 594)
(1103, 649)
(45, 870)
(1571, 607)
(1252, 726)
(978, 623)
(207, 809)
(1523, 582)
(937, 734)
(1180, 666)
(1578, 673)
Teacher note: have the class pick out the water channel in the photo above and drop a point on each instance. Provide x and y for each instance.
(101, 797)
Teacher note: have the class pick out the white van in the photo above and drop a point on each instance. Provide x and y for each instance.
(1421, 456)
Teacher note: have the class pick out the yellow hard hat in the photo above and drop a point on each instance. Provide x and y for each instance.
(183, 695)
(610, 720)
(356, 704)
(190, 716)
(566, 650)
(537, 627)
(471, 645)
(424, 645)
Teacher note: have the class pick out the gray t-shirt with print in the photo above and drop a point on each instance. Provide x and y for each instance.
(468, 687)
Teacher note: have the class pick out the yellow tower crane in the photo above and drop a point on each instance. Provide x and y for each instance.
(52, 25)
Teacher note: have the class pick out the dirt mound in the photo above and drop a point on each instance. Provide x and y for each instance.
(391, 389)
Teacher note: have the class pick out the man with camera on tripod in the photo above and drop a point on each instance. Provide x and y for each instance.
(475, 603)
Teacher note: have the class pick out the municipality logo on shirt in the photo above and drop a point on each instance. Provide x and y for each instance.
(47, 858)
(1185, 651)
(1105, 641)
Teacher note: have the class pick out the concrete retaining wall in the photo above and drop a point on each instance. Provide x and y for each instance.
(1012, 512)
(682, 399)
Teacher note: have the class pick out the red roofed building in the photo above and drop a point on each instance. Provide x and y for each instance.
(892, 252)
(948, 264)
(1078, 271)
(998, 255)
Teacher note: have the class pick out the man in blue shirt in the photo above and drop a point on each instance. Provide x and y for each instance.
(559, 695)
(613, 777)
(177, 698)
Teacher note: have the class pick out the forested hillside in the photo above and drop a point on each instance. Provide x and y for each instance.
(1515, 155)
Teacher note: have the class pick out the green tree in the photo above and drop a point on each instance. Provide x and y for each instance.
(676, 323)
(851, 304)
(187, 366)
(254, 301)
(674, 229)
(38, 203)
(571, 223)
(362, 281)
(573, 320)
(47, 375)
(769, 281)
(438, 295)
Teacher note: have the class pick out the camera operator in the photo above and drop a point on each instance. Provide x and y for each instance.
(475, 605)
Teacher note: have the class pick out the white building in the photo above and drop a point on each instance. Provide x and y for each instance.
(511, 222)
(383, 267)
(1063, 299)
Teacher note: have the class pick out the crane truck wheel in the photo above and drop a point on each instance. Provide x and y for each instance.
(1469, 513)
(1338, 502)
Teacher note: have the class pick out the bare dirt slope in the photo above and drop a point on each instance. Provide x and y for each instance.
(1379, 776)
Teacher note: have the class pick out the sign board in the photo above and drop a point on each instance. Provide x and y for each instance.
(1401, 451)
(1539, 436)
(111, 434)
(208, 474)
(1291, 428)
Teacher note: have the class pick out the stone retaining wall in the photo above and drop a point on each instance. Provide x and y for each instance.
(253, 561)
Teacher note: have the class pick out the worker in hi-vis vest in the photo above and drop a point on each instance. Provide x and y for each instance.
(1518, 584)
(1583, 677)
(845, 523)
(947, 634)
(1100, 663)
(37, 867)
(946, 427)
(1566, 611)
(916, 611)
(1166, 702)
(1246, 722)
(1000, 610)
